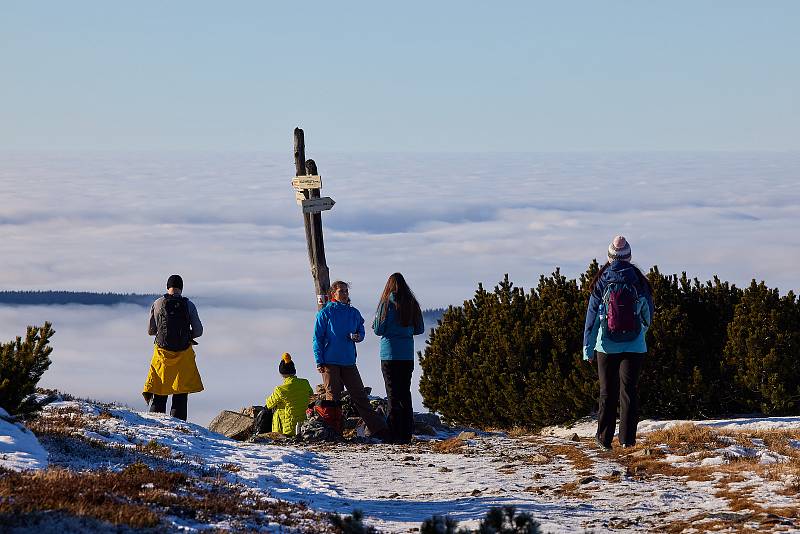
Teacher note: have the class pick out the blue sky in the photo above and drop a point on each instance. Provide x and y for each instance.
(411, 76)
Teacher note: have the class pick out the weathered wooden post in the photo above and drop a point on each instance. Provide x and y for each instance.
(307, 184)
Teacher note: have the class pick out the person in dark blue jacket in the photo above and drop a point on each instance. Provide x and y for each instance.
(619, 314)
(339, 326)
(397, 320)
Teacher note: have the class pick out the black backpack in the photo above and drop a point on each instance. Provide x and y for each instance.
(174, 327)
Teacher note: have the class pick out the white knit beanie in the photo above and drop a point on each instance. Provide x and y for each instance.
(619, 249)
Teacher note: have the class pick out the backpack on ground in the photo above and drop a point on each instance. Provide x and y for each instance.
(330, 412)
(324, 422)
(174, 327)
(622, 320)
(262, 422)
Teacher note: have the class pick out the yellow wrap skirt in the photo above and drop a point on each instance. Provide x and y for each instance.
(172, 372)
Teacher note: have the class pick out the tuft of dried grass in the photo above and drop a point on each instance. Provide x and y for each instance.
(687, 438)
(452, 445)
(576, 456)
(518, 432)
(233, 468)
(154, 448)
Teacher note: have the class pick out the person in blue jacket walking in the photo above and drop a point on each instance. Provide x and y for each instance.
(338, 327)
(619, 314)
(397, 320)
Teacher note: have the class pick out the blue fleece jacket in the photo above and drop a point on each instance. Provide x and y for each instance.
(397, 341)
(593, 338)
(332, 342)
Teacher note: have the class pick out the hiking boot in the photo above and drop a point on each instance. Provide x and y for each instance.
(601, 444)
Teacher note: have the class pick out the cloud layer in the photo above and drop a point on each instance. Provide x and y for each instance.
(229, 224)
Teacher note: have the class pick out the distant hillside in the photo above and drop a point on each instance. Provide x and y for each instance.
(90, 298)
(47, 298)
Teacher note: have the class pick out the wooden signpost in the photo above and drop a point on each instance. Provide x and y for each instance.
(317, 205)
(307, 184)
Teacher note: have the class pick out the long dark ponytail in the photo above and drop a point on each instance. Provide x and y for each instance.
(408, 310)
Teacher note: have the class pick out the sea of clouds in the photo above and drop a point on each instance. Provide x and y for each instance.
(229, 224)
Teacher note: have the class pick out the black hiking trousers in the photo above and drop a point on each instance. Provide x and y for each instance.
(619, 379)
(397, 378)
(179, 402)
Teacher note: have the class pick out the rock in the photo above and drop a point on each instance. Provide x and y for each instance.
(444, 470)
(476, 492)
(430, 419)
(233, 425)
(575, 437)
(251, 411)
(465, 435)
(587, 480)
(423, 429)
(408, 458)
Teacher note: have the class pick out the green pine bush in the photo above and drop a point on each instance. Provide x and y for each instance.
(22, 363)
(763, 349)
(510, 358)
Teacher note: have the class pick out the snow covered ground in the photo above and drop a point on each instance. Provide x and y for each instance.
(559, 476)
(19, 448)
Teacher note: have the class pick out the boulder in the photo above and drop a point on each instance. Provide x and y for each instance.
(251, 411)
(430, 419)
(233, 425)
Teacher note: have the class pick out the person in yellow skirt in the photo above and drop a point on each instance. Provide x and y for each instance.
(289, 401)
(173, 371)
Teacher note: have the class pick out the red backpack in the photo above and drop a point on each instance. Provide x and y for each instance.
(622, 320)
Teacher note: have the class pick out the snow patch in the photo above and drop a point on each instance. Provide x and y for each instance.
(19, 448)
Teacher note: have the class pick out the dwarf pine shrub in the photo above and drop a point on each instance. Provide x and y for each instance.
(503, 520)
(22, 363)
(763, 350)
(508, 358)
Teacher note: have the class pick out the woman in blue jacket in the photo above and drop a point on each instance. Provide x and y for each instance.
(619, 314)
(337, 329)
(397, 320)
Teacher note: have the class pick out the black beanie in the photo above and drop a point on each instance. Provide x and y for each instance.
(286, 366)
(175, 281)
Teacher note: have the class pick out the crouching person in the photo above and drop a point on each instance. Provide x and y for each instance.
(289, 400)
(173, 371)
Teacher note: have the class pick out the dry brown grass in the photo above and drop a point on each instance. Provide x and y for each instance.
(154, 448)
(576, 456)
(700, 442)
(138, 497)
(64, 421)
(449, 446)
(687, 438)
(518, 432)
(572, 490)
(233, 468)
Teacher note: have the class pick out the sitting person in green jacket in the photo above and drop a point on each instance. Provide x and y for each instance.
(289, 400)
